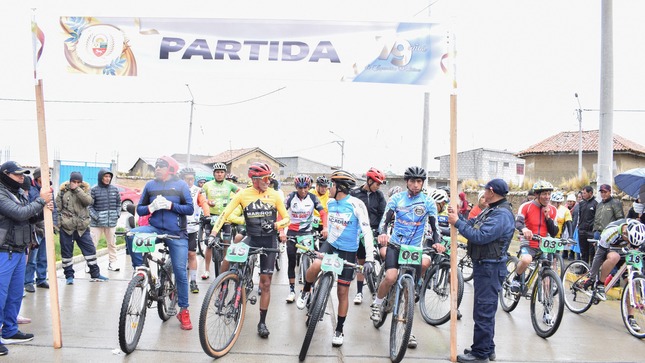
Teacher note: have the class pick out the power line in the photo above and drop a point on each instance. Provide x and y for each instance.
(243, 101)
(67, 101)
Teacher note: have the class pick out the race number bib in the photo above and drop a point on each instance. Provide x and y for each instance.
(634, 259)
(331, 262)
(315, 223)
(550, 245)
(445, 241)
(238, 252)
(144, 242)
(307, 241)
(410, 255)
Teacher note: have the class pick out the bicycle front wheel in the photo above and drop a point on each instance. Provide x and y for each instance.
(465, 264)
(632, 302)
(317, 312)
(576, 298)
(133, 314)
(507, 299)
(435, 295)
(222, 314)
(402, 318)
(202, 239)
(167, 304)
(372, 279)
(547, 304)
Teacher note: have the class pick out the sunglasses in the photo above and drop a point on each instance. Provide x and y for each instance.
(265, 179)
(161, 165)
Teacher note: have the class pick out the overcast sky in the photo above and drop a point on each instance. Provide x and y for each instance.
(519, 64)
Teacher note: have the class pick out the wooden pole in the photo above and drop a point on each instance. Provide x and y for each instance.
(454, 284)
(49, 222)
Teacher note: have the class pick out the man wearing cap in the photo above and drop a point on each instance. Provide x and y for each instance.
(609, 209)
(72, 202)
(489, 235)
(105, 211)
(16, 234)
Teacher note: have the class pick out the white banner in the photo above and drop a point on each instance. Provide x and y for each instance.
(397, 53)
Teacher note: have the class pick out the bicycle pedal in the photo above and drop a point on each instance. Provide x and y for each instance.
(253, 300)
(172, 311)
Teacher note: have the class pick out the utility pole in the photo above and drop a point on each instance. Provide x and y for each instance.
(190, 125)
(606, 120)
(579, 113)
(340, 142)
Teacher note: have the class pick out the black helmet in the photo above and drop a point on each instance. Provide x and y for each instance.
(186, 171)
(322, 181)
(415, 172)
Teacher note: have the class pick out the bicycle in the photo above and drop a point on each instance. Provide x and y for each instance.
(331, 267)
(202, 234)
(372, 279)
(543, 287)
(578, 299)
(434, 292)
(465, 263)
(303, 261)
(144, 289)
(400, 299)
(224, 306)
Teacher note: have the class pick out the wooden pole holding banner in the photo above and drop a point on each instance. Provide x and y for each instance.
(49, 221)
(454, 285)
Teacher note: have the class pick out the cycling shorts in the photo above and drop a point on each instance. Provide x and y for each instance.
(526, 250)
(348, 274)
(392, 259)
(267, 262)
(360, 253)
(192, 241)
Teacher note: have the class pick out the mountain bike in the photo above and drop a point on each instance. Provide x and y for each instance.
(543, 287)
(145, 289)
(578, 299)
(434, 292)
(224, 306)
(303, 260)
(372, 279)
(202, 234)
(215, 243)
(464, 261)
(331, 267)
(400, 299)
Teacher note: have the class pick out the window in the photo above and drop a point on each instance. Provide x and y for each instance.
(492, 168)
(506, 165)
(519, 169)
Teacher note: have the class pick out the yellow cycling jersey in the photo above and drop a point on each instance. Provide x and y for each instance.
(260, 212)
(323, 199)
(237, 216)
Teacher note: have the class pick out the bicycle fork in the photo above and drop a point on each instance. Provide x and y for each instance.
(399, 288)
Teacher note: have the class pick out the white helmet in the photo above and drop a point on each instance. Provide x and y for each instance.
(439, 195)
(557, 197)
(635, 232)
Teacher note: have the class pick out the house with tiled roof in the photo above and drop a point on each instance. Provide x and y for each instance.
(238, 160)
(556, 157)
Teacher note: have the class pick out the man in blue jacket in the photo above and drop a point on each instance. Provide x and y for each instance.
(105, 211)
(489, 236)
(167, 199)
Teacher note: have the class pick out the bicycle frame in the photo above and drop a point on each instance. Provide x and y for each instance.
(405, 272)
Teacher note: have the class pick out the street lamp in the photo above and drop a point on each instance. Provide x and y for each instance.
(190, 125)
(340, 142)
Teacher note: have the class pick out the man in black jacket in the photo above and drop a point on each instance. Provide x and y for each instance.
(105, 211)
(586, 216)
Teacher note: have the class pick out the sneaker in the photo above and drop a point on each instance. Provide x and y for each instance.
(263, 331)
(516, 286)
(113, 268)
(634, 325)
(22, 320)
(43, 285)
(19, 337)
(291, 297)
(375, 313)
(301, 303)
(206, 275)
(30, 288)
(491, 356)
(184, 320)
(3, 350)
(69, 281)
(99, 278)
(358, 299)
(193, 287)
(337, 339)
(412, 342)
(546, 318)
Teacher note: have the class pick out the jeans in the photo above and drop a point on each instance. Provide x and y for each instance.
(37, 264)
(487, 278)
(12, 279)
(178, 254)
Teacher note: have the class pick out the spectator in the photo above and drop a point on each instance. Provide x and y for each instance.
(585, 221)
(104, 214)
(481, 205)
(73, 203)
(571, 201)
(16, 234)
(464, 205)
(609, 210)
(637, 211)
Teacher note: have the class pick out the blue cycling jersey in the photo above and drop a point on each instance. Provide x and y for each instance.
(346, 219)
(410, 217)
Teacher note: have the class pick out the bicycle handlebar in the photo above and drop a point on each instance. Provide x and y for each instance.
(317, 254)
(160, 236)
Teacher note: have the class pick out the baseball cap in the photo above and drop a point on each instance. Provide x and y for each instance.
(571, 197)
(12, 167)
(499, 186)
(605, 188)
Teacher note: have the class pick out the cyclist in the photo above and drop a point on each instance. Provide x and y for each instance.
(395, 189)
(231, 177)
(411, 212)
(347, 217)
(200, 204)
(300, 204)
(218, 192)
(321, 191)
(563, 220)
(375, 202)
(536, 217)
(261, 207)
(201, 182)
(167, 199)
(631, 232)
(440, 197)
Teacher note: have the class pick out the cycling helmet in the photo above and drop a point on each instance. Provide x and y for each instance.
(302, 181)
(344, 180)
(173, 165)
(635, 232)
(439, 196)
(414, 172)
(395, 189)
(542, 186)
(258, 170)
(272, 176)
(219, 166)
(376, 175)
(446, 189)
(186, 171)
(557, 197)
(322, 181)
(231, 177)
